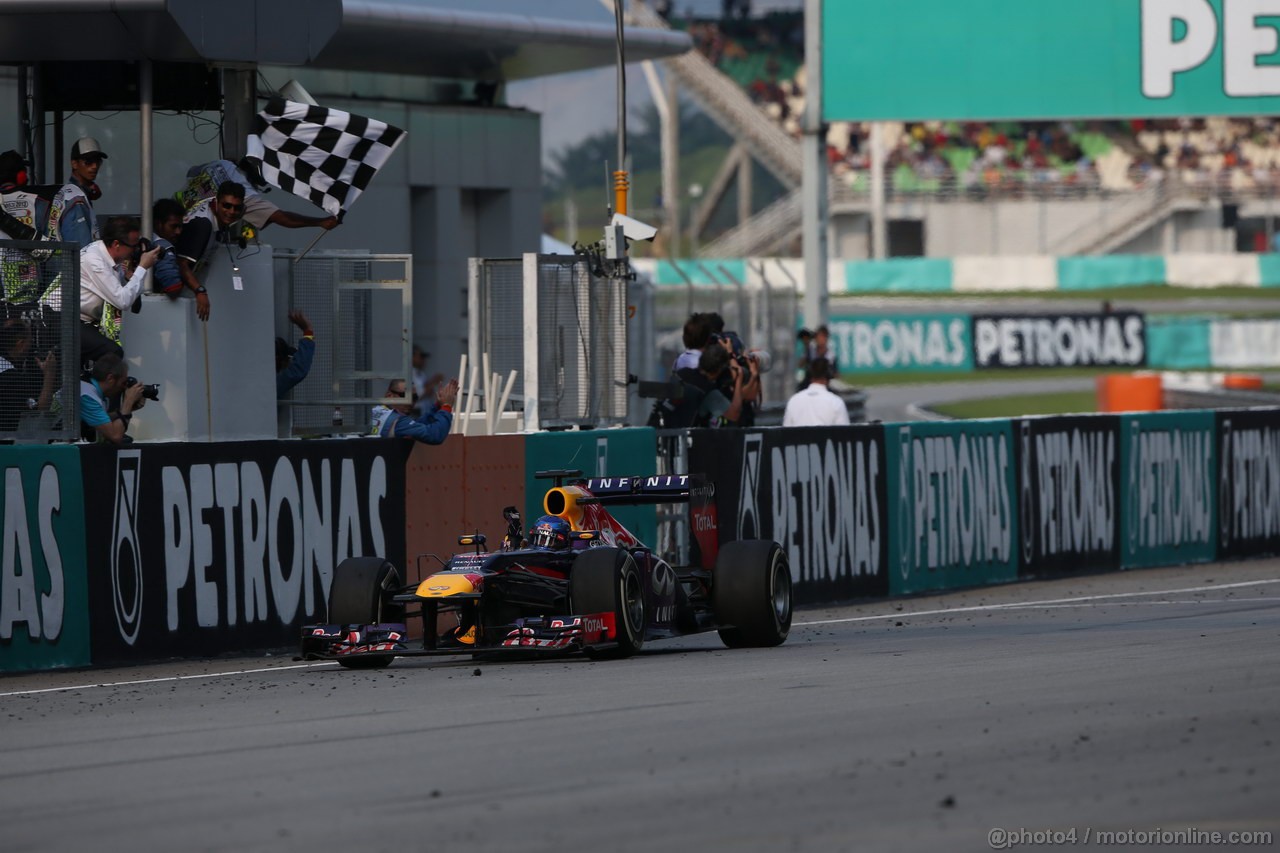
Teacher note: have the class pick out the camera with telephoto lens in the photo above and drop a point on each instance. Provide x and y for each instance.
(144, 246)
(150, 392)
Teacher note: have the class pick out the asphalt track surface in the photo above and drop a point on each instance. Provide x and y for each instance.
(1146, 700)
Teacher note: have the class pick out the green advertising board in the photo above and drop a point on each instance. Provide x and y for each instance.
(44, 600)
(902, 342)
(1168, 507)
(952, 505)
(596, 453)
(1009, 59)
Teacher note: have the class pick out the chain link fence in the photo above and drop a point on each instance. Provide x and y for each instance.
(561, 328)
(39, 344)
(360, 306)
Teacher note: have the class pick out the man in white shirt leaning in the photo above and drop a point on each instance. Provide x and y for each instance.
(103, 282)
(816, 405)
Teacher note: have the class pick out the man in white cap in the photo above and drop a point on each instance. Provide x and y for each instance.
(71, 218)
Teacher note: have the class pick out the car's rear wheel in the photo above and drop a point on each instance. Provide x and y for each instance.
(751, 594)
(360, 595)
(607, 580)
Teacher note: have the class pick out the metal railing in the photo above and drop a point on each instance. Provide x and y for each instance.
(726, 101)
(560, 328)
(763, 233)
(361, 307)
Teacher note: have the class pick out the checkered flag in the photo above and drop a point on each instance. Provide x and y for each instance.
(324, 155)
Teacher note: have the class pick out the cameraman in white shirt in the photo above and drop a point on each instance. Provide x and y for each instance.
(103, 281)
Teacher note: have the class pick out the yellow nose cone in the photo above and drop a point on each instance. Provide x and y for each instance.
(443, 586)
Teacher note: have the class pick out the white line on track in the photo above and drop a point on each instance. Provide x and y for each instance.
(168, 678)
(1013, 605)
(1082, 600)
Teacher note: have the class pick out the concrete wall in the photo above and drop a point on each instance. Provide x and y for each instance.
(1024, 227)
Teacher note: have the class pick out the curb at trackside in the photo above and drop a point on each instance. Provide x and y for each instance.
(921, 412)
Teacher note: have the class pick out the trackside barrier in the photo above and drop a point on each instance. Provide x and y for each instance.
(44, 609)
(201, 549)
(193, 550)
(904, 508)
(822, 493)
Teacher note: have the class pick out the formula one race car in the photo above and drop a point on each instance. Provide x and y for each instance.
(580, 582)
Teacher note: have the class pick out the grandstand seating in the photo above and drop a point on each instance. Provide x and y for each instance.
(765, 57)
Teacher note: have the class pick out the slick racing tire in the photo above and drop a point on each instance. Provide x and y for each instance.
(359, 596)
(751, 594)
(606, 580)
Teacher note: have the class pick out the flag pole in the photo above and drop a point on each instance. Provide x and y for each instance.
(310, 247)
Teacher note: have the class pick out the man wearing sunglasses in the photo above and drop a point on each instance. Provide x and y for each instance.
(395, 421)
(208, 224)
(103, 281)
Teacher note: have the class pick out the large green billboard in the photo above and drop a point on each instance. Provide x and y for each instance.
(44, 610)
(1010, 59)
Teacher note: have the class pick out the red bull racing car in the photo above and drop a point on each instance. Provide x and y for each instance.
(578, 581)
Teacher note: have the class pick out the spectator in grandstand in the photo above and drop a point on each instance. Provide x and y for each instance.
(294, 363)
(816, 405)
(26, 382)
(103, 282)
(204, 180)
(166, 216)
(71, 217)
(208, 224)
(433, 428)
(108, 378)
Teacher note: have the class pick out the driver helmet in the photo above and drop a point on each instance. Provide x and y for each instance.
(551, 533)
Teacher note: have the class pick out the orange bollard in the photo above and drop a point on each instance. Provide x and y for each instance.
(1242, 381)
(1126, 392)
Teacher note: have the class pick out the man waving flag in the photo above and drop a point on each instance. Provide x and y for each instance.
(323, 155)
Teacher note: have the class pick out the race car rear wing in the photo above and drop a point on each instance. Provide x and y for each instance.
(635, 491)
(692, 489)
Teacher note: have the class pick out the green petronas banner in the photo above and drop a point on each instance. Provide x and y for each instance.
(1010, 59)
(1168, 474)
(952, 505)
(43, 587)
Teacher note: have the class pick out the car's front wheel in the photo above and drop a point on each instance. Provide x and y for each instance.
(360, 595)
(607, 580)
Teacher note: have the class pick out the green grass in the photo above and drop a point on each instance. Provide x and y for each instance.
(1061, 403)
(871, 379)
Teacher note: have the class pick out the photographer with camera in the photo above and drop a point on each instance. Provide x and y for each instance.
(749, 364)
(103, 282)
(109, 377)
(710, 395)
